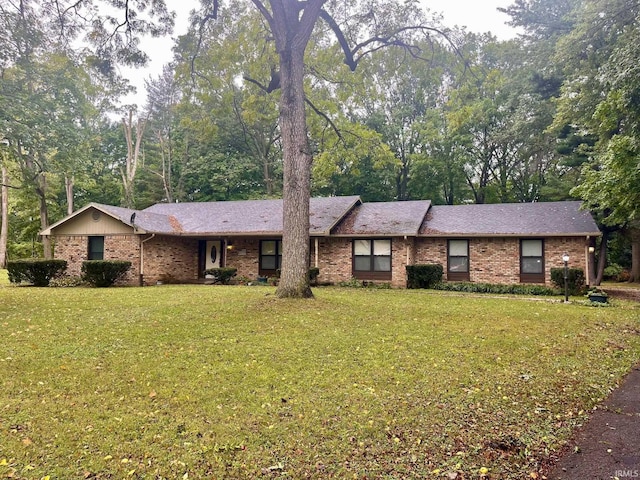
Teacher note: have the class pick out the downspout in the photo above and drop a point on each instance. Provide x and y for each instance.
(142, 242)
(317, 254)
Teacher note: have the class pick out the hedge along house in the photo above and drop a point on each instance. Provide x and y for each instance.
(498, 243)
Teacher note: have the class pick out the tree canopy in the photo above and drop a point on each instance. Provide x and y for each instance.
(289, 98)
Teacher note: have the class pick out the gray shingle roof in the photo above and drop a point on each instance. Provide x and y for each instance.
(147, 221)
(347, 216)
(524, 219)
(248, 217)
(385, 218)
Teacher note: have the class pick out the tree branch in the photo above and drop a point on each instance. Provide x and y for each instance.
(274, 83)
(213, 15)
(326, 118)
(352, 59)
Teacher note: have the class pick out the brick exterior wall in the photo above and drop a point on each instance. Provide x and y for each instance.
(491, 260)
(75, 250)
(336, 265)
(245, 257)
(497, 260)
(170, 257)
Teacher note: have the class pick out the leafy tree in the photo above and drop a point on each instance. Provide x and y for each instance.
(600, 98)
(49, 92)
(358, 163)
(291, 24)
(163, 95)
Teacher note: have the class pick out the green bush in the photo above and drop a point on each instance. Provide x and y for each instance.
(575, 280)
(222, 275)
(36, 271)
(104, 273)
(496, 289)
(613, 272)
(313, 275)
(424, 276)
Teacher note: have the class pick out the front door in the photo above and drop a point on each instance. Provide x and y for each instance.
(213, 254)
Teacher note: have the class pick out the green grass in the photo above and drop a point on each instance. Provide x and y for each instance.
(4, 278)
(230, 382)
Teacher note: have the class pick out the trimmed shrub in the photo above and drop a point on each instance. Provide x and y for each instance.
(313, 275)
(496, 289)
(36, 271)
(424, 276)
(222, 275)
(104, 273)
(612, 271)
(575, 280)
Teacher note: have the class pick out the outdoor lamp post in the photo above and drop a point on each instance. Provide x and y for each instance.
(565, 259)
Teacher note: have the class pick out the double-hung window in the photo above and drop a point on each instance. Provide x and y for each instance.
(372, 259)
(532, 261)
(270, 256)
(96, 248)
(458, 260)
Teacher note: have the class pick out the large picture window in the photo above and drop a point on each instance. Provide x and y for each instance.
(458, 260)
(270, 256)
(532, 261)
(96, 248)
(372, 259)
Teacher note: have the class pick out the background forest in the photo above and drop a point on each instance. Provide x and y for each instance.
(457, 118)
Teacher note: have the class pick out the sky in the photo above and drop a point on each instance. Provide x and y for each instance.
(475, 15)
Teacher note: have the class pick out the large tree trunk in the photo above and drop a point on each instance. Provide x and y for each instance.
(292, 29)
(294, 280)
(602, 257)
(4, 226)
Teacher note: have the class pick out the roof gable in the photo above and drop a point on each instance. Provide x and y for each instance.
(385, 219)
(82, 221)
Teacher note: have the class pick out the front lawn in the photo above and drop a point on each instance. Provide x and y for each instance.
(230, 382)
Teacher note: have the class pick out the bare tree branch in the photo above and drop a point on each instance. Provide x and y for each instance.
(326, 118)
(378, 42)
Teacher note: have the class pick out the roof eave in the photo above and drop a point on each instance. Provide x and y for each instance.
(510, 235)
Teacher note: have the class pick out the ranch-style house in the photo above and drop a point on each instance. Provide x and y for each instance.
(495, 243)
